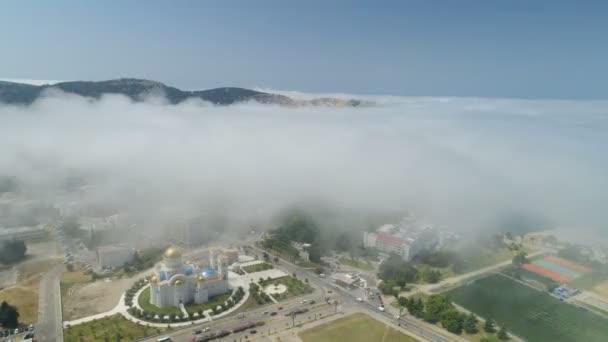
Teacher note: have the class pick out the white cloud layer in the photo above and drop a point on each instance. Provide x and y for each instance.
(460, 162)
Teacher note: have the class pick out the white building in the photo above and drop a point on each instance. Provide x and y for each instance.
(174, 282)
(302, 249)
(22, 233)
(115, 256)
(405, 240)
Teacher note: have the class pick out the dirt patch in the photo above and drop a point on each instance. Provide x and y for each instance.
(601, 289)
(24, 295)
(89, 298)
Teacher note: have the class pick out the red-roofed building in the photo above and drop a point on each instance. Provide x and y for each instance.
(406, 243)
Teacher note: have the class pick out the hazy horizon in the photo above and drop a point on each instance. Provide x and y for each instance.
(462, 163)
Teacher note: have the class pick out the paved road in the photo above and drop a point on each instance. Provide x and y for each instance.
(346, 299)
(49, 326)
(257, 314)
(272, 324)
(420, 328)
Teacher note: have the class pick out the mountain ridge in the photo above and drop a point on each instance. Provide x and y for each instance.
(138, 89)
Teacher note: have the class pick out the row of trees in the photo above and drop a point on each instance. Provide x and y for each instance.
(439, 309)
(132, 291)
(9, 315)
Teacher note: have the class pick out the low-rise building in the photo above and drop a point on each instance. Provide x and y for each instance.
(302, 249)
(345, 279)
(406, 240)
(114, 256)
(22, 233)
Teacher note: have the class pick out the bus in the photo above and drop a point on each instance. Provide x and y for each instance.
(164, 339)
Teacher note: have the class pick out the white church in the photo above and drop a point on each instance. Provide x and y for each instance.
(174, 282)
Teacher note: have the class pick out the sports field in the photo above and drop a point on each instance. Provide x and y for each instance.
(354, 328)
(531, 314)
(558, 269)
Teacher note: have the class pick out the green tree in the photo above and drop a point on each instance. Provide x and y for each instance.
(431, 276)
(470, 324)
(9, 315)
(398, 270)
(489, 326)
(12, 251)
(520, 259)
(452, 320)
(435, 306)
(502, 334)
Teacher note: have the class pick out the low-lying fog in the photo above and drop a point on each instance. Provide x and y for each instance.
(462, 163)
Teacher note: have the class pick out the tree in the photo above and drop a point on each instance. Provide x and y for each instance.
(314, 251)
(12, 251)
(502, 334)
(398, 270)
(489, 326)
(435, 306)
(431, 276)
(470, 324)
(418, 307)
(520, 259)
(403, 301)
(9, 315)
(452, 320)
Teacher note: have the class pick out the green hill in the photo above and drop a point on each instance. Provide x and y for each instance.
(138, 89)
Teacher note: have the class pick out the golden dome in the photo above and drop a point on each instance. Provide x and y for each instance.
(200, 278)
(172, 253)
(178, 282)
(154, 279)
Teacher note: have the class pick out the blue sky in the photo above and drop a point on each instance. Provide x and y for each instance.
(530, 49)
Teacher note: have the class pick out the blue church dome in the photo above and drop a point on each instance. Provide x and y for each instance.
(208, 272)
(188, 270)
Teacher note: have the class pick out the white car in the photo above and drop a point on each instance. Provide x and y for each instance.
(381, 308)
(359, 299)
(206, 329)
(303, 301)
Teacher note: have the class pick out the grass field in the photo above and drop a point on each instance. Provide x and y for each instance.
(113, 328)
(26, 301)
(595, 282)
(531, 314)
(25, 295)
(144, 302)
(257, 267)
(476, 256)
(354, 328)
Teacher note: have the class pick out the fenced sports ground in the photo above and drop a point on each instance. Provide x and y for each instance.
(558, 269)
